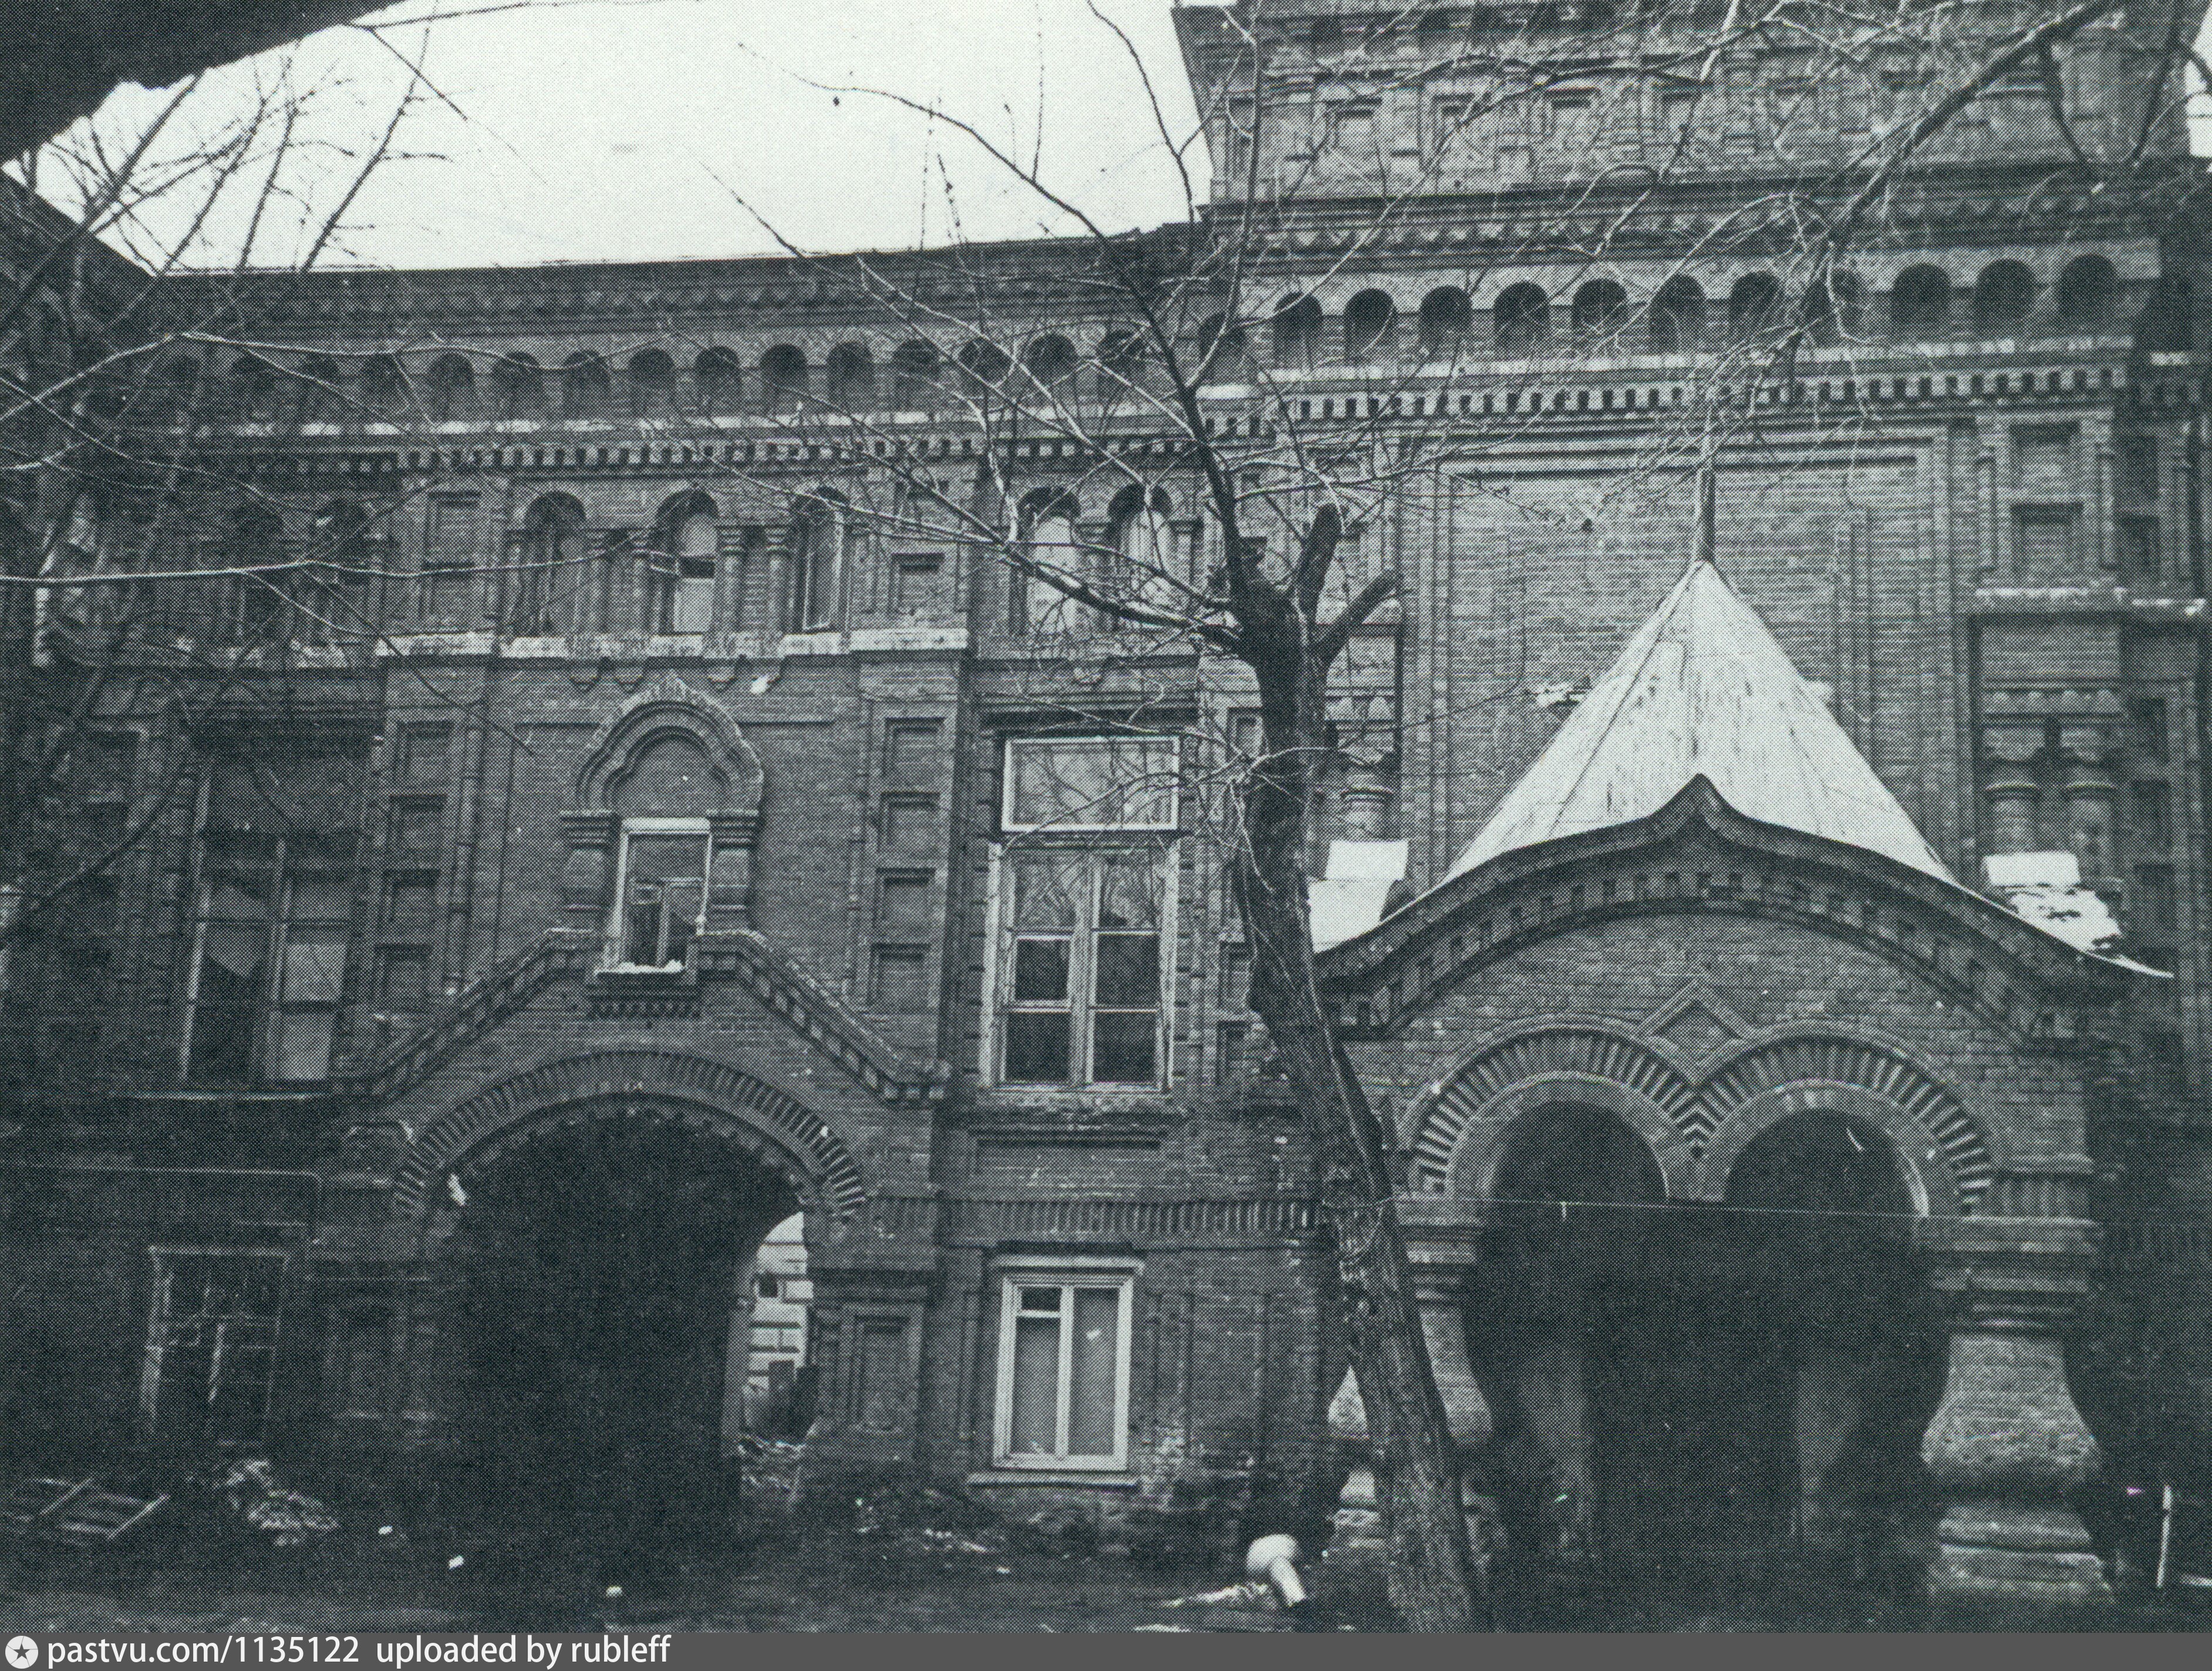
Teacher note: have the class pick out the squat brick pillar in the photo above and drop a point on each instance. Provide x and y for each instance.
(2007, 1446)
(1440, 1282)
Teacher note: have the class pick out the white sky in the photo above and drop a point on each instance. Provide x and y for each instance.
(630, 130)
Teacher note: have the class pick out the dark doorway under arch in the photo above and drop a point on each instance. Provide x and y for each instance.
(1700, 1396)
(600, 1273)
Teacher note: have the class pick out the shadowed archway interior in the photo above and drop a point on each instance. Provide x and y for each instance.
(601, 1265)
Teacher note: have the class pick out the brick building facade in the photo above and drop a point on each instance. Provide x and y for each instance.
(644, 839)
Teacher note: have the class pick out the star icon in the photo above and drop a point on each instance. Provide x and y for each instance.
(22, 1653)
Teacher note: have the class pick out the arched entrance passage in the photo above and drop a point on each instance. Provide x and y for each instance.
(599, 1261)
(1700, 1394)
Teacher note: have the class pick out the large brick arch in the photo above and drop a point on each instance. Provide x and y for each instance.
(775, 1123)
(1696, 1126)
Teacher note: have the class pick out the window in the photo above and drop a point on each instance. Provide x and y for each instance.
(211, 1345)
(547, 565)
(1139, 561)
(1063, 1394)
(817, 565)
(661, 893)
(271, 922)
(1084, 925)
(1055, 547)
(682, 566)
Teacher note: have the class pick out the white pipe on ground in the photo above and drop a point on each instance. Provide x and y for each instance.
(1273, 1560)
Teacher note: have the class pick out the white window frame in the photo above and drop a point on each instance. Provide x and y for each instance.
(617, 924)
(1118, 1277)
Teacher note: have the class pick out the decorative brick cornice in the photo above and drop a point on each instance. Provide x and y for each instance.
(820, 1017)
(1697, 855)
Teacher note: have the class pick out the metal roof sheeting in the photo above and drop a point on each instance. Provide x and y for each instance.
(1703, 689)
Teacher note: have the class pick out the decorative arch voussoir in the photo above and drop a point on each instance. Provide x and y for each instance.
(832, 1174)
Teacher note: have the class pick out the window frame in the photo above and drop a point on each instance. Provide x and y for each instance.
(265, 1014)
(157, 1354)
(615, 945)
(1093, 848)
(1068, 1275)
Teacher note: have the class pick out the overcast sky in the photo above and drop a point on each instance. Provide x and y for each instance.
(620, 130)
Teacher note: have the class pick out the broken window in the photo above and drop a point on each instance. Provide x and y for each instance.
(1063, 1394)
(660, 893)
(272, 921)
(211, 1345)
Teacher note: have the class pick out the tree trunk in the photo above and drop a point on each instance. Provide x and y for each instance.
(1434, 1583)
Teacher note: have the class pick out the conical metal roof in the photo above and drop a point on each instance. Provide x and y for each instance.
(1703, 689)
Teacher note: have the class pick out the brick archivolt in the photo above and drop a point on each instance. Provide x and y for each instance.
(1697, 1121)
(770, 1124)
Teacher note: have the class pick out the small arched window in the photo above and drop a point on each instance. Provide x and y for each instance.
(518, 386)
(1920, 302)
(652, 383)
(1521, 318)
(914, 377)
(1050, 363)
(1754, 307)
(1447, 321)
(2003, 293)
(1121, 365)
(982, 366)
(315, 390)
(548, 565)
(452, 385)
(851, 377)
(1601, 308)
(1678, 315)
(176, 387)
(816, 578)
(716, 381)
(1054, 546)
(584, 383)
(1370, 325)
(681, 564)
(383, 384)
(1297, 325)
(783, 378)
(1224, 351)
(253, 389)
(1140, 543)
(2087, 288)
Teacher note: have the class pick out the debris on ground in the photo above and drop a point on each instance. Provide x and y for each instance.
(251, 1491)
(80, 1512)
(1256, 1595)
(768, 1471)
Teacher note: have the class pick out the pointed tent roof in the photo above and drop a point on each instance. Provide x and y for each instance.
(1703, 689)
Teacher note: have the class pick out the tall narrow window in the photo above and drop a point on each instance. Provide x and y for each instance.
(1054, 547)
(549, 564)
(448, 553)
(1140, 543)
(333, 594)
(816, 569)
(1063, 1392)
(681, 565)
(1083, 895)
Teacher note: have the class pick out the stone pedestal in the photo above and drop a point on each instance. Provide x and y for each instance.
(2007, 1445)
